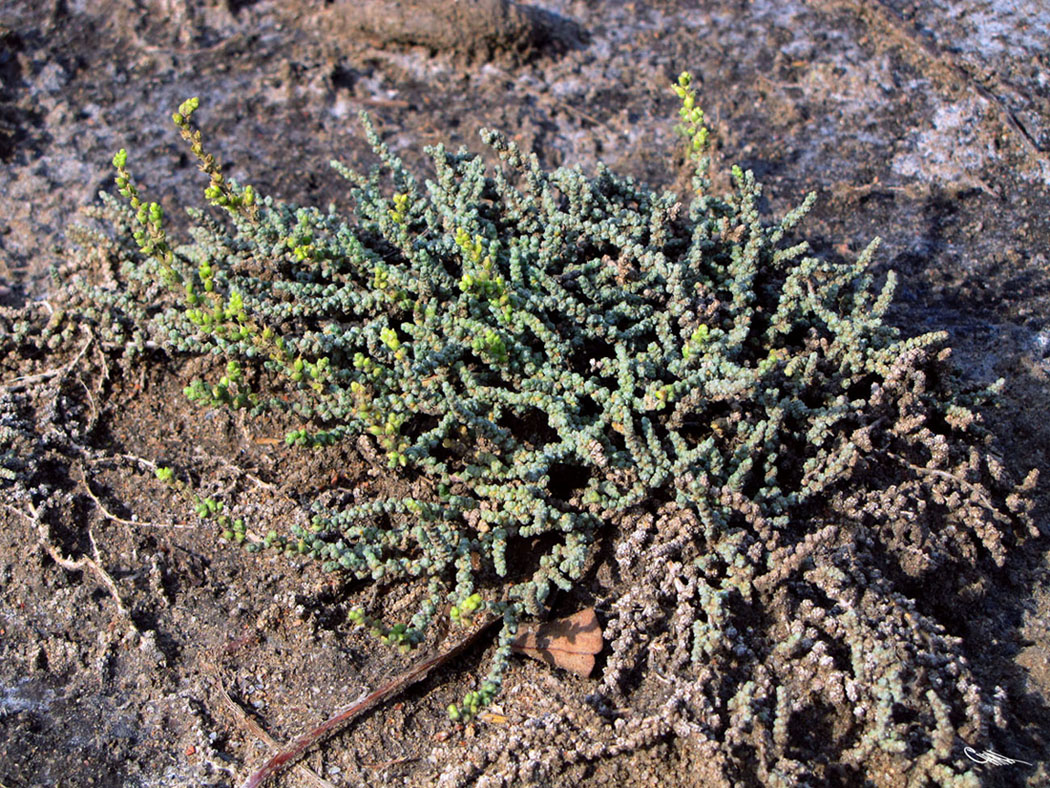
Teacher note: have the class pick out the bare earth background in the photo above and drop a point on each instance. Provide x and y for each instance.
(926, 122)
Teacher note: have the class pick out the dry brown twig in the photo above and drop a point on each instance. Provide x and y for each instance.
(412, 676)
(245, 720)
(568, 643)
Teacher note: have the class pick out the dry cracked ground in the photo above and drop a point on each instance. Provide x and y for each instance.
(138, 650)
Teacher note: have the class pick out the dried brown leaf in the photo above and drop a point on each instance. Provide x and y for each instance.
(568, 643)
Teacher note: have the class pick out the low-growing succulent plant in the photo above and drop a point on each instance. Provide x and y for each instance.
(546, 351)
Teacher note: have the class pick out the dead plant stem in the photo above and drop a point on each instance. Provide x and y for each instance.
(342, 717)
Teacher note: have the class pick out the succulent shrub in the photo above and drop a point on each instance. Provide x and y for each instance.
(541, 352)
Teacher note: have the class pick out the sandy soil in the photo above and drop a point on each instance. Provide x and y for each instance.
(136, 648)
